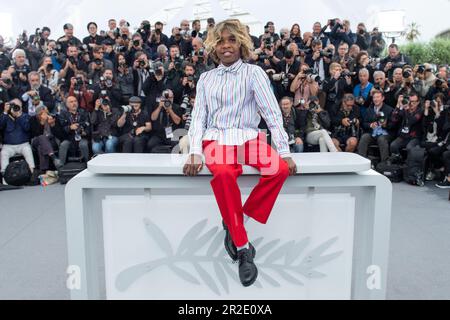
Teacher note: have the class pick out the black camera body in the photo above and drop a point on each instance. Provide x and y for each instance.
(15, 107)
(72, 60)
(326, 54)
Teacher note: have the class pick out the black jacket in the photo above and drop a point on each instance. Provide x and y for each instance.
(46, 97)
(66, 119)
(371, 117)
(412, 121)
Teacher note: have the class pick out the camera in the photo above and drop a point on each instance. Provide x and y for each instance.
(360, 100)
(421, 69)
(268, 43)
(313, 106)
(72, 60)
(405, 100)
(7, 81)
(165, 99)
(124, 37)
(407, 74)
(49, 67)
(312, 76)
(127, 109)
(439, 83)
(98, 62)
(15, 107)
(179, 62)
(347, 73)
(136, 43)
(326, 54)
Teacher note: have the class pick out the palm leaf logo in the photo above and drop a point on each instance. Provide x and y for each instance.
(281, 259)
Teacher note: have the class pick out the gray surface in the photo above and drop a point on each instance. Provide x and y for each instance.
(172, 164)
(33, 257)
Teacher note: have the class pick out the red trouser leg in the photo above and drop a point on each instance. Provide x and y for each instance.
(223, 163)
(274, 172)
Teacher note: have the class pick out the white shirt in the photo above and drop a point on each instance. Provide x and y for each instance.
(228, 108)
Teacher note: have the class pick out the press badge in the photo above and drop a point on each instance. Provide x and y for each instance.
(405, 130)
(169, 133)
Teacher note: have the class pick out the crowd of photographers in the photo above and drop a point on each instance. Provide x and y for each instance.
(133, 92)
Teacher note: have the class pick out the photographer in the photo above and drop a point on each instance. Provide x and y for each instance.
(381, 84)
(141, 71)
(177, 39)
(304, 86)
(134, 125)
(68, 39)
(154, 41)
(318, 123)
(37, 95)
(159, 26)
(187, 107)
(436, 137)
(319, 34)
(137, 47)
(394, 60)
(93, 39)
(362, 61)
(125, 78)
(294, 123)
(15, 128)
(183, 84)
(99, 64)
(424, 79)
(342, 57)
(408, 117)
(5, 63)
(7, 89)
(408, 85)
(48, 74)
(319, 60)
(76, 126)
(269, 32)
(104, 129)
(166, 117)
(341, 32)
(54, 55)
(19, 71)
(287, 70)
(107, 88)
(154, 85)
(336, 86)
(377, 127)
(72, 64)
(83, 94)
(377, 44)
(363, 38)
(362, 91)
(45, 130)
(346, 125)
(295, 35)
(439, 86)
(199, 58)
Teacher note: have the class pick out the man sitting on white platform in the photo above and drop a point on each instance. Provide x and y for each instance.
(224, 128)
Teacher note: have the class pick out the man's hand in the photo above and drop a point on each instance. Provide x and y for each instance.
(139, 131)
(292, 166)
(74, 126)
(193, 165)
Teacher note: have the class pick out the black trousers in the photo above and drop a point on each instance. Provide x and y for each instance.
(132, 144)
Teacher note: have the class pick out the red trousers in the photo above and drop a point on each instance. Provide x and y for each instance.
(225, 163)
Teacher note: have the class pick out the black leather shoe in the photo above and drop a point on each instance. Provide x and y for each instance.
(229, 244)
(247, 268)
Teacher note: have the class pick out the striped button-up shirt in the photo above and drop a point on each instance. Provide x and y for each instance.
(228, 108)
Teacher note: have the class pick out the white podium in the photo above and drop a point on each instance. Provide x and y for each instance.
(138, 229)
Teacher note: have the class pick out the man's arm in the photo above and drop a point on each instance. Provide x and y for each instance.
(270, 111)
(199, 118)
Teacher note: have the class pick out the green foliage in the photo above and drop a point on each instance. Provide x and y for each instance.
(435, 52)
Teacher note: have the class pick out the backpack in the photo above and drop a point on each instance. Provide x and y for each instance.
(413, 172)
(393, 172)
(17, 173)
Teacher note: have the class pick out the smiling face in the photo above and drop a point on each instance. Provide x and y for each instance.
(228, 49)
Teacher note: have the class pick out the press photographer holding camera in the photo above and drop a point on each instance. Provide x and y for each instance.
(68, 39)
(338, 84)
(439, 86)
(104, 128)
(93, 39)
(166, 118)
(294, 123)
(15, 129)
(80, 90)
(137, 46)
(141, 71)
(340, 32)
(125, 78)
(342, 57)
(394, 60)
(72, 64)
(377, 43)
(134, 126)
(108, 88)
(408, 117)
(318, 123)
(99, 64)
(76, 126)
(7, 89)
(362, 91)
(48, 74)
(363, 38)
(19, 71)
(304, 86)
(287, 70)
(37, 95)
(377, 127)
(183, 84)
(319, 60)
(347, 124)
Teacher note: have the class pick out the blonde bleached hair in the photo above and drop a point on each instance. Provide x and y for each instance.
(238, 30)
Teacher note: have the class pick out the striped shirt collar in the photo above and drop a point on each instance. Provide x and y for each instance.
(234, 68)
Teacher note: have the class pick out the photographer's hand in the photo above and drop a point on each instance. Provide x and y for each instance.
(74, 126)
(6, 108)
(346, 122)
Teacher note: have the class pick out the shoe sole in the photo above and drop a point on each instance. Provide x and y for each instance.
(441, 187)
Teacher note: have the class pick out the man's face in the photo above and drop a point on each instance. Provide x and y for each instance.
(136, 106)
(20, 60)
(45, 35)
(196, 45)
(380, 79)
(294, 48)
(174, 52)
(271, 28)
(414, 103)
(317, 28)
(98, 55)
(228, 49)
(189, 71)
(286, 106)
(176, 32)
(72, 104)
(92, 29)
(34, 81)
(443, 74)
(354, 51)
(112, 24)
(317, 47)
(159, 27)
(184, 25)
(348, 105)
(393, 52)
(343, 50)
(378, 99)
(363, 77)
(108, 74)
(398, 77)
(197, 26)
(72, 52)
(69, 33)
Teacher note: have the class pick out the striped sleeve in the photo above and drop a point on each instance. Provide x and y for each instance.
(270, 110)
(199, 119)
